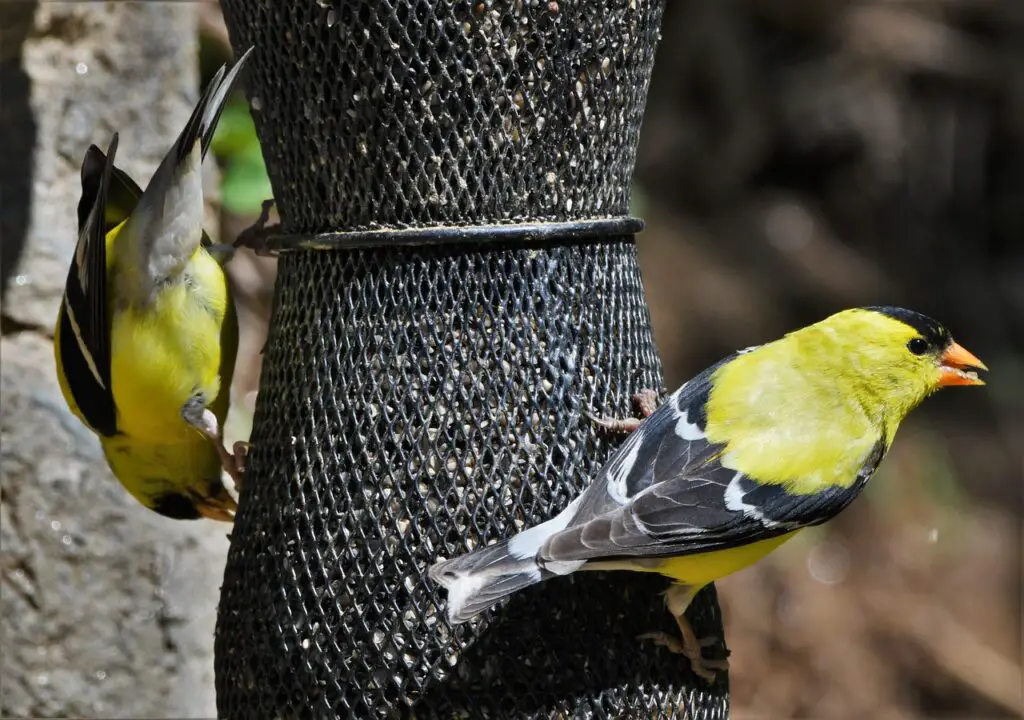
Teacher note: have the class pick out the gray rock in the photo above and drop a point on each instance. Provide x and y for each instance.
(108, 609)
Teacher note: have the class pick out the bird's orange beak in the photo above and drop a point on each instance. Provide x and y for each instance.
(959, 366)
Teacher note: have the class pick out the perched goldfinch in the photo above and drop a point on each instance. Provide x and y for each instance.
(146, 336)
(770, 440)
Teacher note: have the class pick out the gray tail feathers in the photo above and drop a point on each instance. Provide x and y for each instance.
(479, 579)
(165, 228)
(203, 122)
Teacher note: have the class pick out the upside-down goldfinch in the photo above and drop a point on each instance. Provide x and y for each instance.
(770, 440)
(146, 335)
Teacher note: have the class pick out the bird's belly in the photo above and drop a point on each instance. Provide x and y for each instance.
(161, 356)
(700, 569)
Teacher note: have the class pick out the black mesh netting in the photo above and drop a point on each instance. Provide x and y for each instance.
(417, 402)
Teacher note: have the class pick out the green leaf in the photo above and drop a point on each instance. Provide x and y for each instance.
(235, 132)
(244, 184)
(244, 181)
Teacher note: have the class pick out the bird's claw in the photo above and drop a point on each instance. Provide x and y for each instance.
(233, 464)
(702, 667)
(241, 454)
(622, 426)
(663, 639)
(241, 451)
(255, 236)
(645, 401)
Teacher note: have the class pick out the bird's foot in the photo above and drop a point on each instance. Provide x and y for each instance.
(645, 401)
(702, 667)
(255, 236)
(232, 464)
(678, 597)
(241, 454)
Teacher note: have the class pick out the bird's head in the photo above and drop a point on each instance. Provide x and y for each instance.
(808, 395)
(899, 355)
(176, 506)
(191, 506)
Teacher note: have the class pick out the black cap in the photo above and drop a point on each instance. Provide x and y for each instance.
(931, 330)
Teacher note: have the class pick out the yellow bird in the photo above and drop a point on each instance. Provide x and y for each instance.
(146, 336)
(769, 440)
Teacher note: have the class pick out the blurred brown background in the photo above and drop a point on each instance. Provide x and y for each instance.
(802, 156)
(798, 157)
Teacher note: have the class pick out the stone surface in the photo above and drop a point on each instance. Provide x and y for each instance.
(108, 610)
(92, 69)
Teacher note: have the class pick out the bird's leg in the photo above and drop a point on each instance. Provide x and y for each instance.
(692, 648)
(221, 252)
(677, 599)
(202, 419)
(646, 402)
(255, 236)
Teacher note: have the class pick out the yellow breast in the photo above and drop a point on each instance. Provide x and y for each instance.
(784, 425)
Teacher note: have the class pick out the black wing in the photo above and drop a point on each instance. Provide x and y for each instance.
(123, 193)
(85, 322)
(665, 493)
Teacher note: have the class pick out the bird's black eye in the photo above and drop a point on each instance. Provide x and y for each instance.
(918, 346)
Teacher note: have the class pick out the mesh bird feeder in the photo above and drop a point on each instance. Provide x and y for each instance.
(458, 284)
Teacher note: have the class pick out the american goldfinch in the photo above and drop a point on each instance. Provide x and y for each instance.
(146, 334)
(770, 440)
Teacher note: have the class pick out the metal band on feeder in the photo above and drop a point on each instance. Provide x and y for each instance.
(458, 287)
(454, 235)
